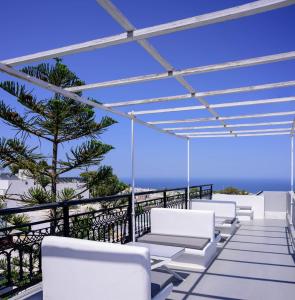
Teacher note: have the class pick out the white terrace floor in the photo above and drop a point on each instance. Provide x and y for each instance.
(256, 263)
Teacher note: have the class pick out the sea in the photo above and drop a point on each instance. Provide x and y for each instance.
(251, 185)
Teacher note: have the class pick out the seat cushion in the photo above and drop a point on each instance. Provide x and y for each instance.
(175, 240)
(244, 207)
(159, 280)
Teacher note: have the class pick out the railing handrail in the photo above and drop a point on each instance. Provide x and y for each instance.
(107, 224)
(23, 209)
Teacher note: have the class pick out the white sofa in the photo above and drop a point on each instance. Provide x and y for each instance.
(225, 214)
(190, 229)
(79, 269)
(75, 269)
(248, 206)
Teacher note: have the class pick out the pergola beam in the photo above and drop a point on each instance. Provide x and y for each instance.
(229, 126)
(248, 9)
(220, 105)
(275, 114)
(239, 135)
(23, 76)
(293, 127)
(243, 89)
(150, 100)
(252, 88)
(140, 35)
(190, 71)
(123, 21)
(233, 131)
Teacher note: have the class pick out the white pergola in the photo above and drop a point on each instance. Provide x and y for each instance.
(141, 36)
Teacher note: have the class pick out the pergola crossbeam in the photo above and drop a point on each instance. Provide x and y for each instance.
(191, 71)
(293, 127)
(252, 88)
(274, 114)
(150, 100)
(229, 126)
(141, 36)
(23, 76)
(125, 23)
(121, 19)
(234, 131)
(240, 135)
(248, 9)
(220, 105)
(243, 89)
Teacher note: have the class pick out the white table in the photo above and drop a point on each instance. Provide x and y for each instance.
(161, 255)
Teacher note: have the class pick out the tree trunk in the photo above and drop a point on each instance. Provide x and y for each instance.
(54, 170)
(54, 183)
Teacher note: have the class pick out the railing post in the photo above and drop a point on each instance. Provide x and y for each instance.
(201, 192)
(211, 191)
(130, 219)
(186, 198)
(66, 219)
(165, 199)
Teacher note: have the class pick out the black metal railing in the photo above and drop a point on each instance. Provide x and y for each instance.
(106, 219)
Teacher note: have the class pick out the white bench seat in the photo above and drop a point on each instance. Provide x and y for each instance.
(175, 241)
(192, 230)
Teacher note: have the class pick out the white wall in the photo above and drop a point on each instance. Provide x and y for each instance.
(275, 204)
(4, 184)
(256, 202)
(20, 187)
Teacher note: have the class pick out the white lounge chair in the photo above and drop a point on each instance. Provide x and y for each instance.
(75, 269)
(190, 229)
(225, 214)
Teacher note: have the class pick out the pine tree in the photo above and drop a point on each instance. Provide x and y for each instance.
(57, 120)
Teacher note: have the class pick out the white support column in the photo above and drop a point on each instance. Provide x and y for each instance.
(292, 163)
(188, 173)
(132, 180)
(292, 179)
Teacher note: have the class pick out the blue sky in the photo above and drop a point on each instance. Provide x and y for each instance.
(31, 26)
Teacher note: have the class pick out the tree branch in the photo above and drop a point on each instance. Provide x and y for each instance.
(15, 120)
(89, 153)
(13, 152)
(24, 97)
